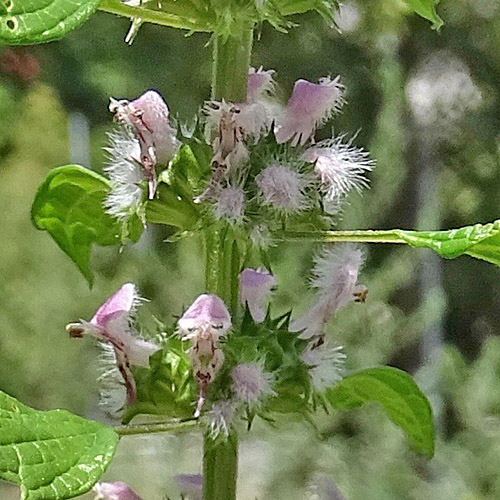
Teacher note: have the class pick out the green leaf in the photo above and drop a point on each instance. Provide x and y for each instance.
(69, 205)
(427, 9)
(481, 241)
(52, 455)
(36, 21)
(399, 395)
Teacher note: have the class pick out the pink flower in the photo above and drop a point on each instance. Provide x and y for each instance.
(325, 364)
(190, 485)
(335, 277)
(148, 117)
(251, 384)
(114, 491)
(310, 105)
(260, 82)
(112, 323)
(205, 321)
(255, 287)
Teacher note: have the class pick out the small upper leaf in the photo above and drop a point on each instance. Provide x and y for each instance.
(52, 455)
(427, 9)
(401, 398)
(36, 21)
(481, 241)
(69, 205)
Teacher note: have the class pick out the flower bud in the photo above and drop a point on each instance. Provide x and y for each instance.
(255, 287)
(190, 485)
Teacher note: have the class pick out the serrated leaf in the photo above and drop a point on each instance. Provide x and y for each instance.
(69, 206)
(399, 395)
(481, 241)
(427, 9)
(52, 455)
(37, 21)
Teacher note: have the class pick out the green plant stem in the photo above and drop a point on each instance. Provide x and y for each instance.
(220, 467)
(359, 236)
(175, 426)
(173, 14)
(231, 61)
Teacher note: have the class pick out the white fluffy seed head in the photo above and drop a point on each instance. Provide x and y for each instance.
(251, 384)
(340, 166)
(282, 188)
(230, 204)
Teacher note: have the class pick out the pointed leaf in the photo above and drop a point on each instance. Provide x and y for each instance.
(399, 395)
(37, 21)
(52, 455)
(69, 205)
(481, 241)
(427, 9)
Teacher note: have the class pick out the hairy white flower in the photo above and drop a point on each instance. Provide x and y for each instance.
(125, 173)
(260, 236)
(255, 287)
(220, 417)
(326, 365)
(282, 188)
(251, 384)
(340, 166)
(310, 105)
(230, 204)
(335, 277)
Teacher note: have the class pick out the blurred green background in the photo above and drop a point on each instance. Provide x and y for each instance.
(425, 104)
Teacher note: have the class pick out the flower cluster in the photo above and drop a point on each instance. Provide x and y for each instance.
(265, 168)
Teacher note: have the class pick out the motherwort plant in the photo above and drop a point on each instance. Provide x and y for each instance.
(247, 176)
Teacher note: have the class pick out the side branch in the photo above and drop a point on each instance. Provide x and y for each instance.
(362, 236)
(171, 15)
(172, 426)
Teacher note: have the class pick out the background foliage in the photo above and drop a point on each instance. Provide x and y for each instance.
(435, 318)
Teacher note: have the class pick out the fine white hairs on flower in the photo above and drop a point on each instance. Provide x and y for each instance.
(112, 323)
(204, 323)
(326, 365)
(220, 418)
(335, 277)
(310, 106)
(230, 204)
(255, 287)
(251, 384)
(125, 173)
(148, 117)
(282, 188)
(340, 166)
